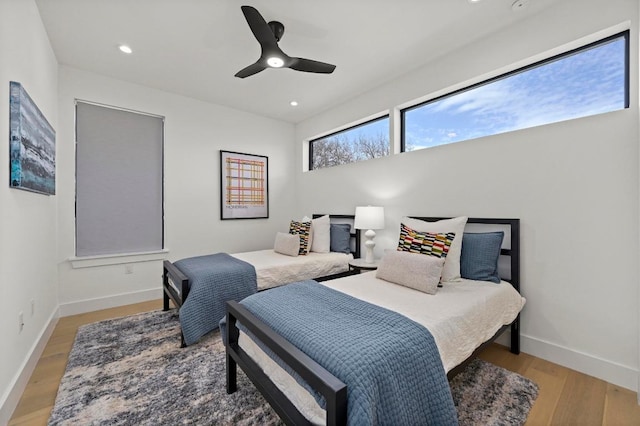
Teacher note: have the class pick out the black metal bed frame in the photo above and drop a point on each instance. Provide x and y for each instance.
(514, 270)
(332, 389)
(172, 274)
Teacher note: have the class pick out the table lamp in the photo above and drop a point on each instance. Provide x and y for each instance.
(369, 218)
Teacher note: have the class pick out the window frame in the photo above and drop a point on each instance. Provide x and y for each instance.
(346, 129)
(123, 256)
(623, 34)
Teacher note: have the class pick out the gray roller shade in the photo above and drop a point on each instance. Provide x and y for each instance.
(118, 181)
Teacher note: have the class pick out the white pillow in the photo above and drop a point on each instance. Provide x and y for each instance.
(411, 270)
(451, 271)
(321, 231)
(288, 244)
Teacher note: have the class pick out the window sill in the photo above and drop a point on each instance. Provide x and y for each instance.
(116, 259)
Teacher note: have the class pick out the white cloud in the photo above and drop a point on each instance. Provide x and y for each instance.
(587, 83)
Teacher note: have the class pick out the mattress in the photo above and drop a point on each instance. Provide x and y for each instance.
(275, 269)
(461, 316)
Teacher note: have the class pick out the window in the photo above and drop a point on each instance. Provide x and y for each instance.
(118, 181)
(589, 80)
(362, 142)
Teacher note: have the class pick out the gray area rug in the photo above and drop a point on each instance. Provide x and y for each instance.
(131, 371)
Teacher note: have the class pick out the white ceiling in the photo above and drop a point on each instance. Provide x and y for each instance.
(194, 47)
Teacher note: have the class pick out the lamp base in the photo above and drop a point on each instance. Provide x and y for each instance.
(369, 244)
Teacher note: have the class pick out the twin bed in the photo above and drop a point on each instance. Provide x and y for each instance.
(462, 318)
(272, 269)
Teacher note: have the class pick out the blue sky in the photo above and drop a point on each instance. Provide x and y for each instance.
(589, 82)
(585, 83)
(370, 129)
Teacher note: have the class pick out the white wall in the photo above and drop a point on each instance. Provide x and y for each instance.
(574, 185)
(27, 220)
(194, 133)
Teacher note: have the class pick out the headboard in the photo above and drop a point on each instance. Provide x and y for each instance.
(510, 245)
(355, 234)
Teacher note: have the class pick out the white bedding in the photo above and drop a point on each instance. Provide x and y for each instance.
(460, 316)
(274, 269)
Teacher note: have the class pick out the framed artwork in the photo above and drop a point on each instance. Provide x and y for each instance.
(244, 185)
(32, 145)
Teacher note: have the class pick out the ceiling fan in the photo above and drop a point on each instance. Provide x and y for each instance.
(268, 35)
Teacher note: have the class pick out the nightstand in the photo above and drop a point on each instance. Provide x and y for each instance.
(359, 265)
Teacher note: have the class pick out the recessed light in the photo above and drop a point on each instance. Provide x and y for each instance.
(293, 103)
(473, 1)
(125, 49)
(275, 62)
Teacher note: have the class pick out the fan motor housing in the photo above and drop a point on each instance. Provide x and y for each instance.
(277, 28)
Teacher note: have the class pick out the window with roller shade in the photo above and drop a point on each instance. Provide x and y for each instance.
(119, 181)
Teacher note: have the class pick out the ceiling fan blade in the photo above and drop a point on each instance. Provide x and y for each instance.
(251, 70)
(308, 65)
(260, 28)
(268, 35)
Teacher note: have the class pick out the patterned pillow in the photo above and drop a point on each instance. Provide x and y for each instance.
(437, 245)
(302, 229)
(451, 271)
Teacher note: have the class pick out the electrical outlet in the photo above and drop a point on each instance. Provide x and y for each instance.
(33, 307)
(20, 321)
(128, 268)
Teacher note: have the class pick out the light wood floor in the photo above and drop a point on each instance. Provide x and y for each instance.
(566, 397)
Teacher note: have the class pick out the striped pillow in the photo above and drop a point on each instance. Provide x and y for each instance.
(302, 229)
(437, 245)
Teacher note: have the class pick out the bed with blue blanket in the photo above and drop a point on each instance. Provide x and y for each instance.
(361, 350)
(199, 286)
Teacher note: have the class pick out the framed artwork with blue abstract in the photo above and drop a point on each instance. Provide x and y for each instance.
(32, 144)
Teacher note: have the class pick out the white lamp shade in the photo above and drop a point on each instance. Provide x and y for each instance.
(369, 217)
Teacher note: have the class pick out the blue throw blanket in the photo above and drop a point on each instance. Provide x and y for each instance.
(390, 364)
(213, 280)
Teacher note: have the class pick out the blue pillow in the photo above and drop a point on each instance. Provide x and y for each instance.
(340, 238)
(480, 254)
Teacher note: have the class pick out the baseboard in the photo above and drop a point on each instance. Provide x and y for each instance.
(12, 397)
(614, 373)
(617, 374)
(90, 305)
